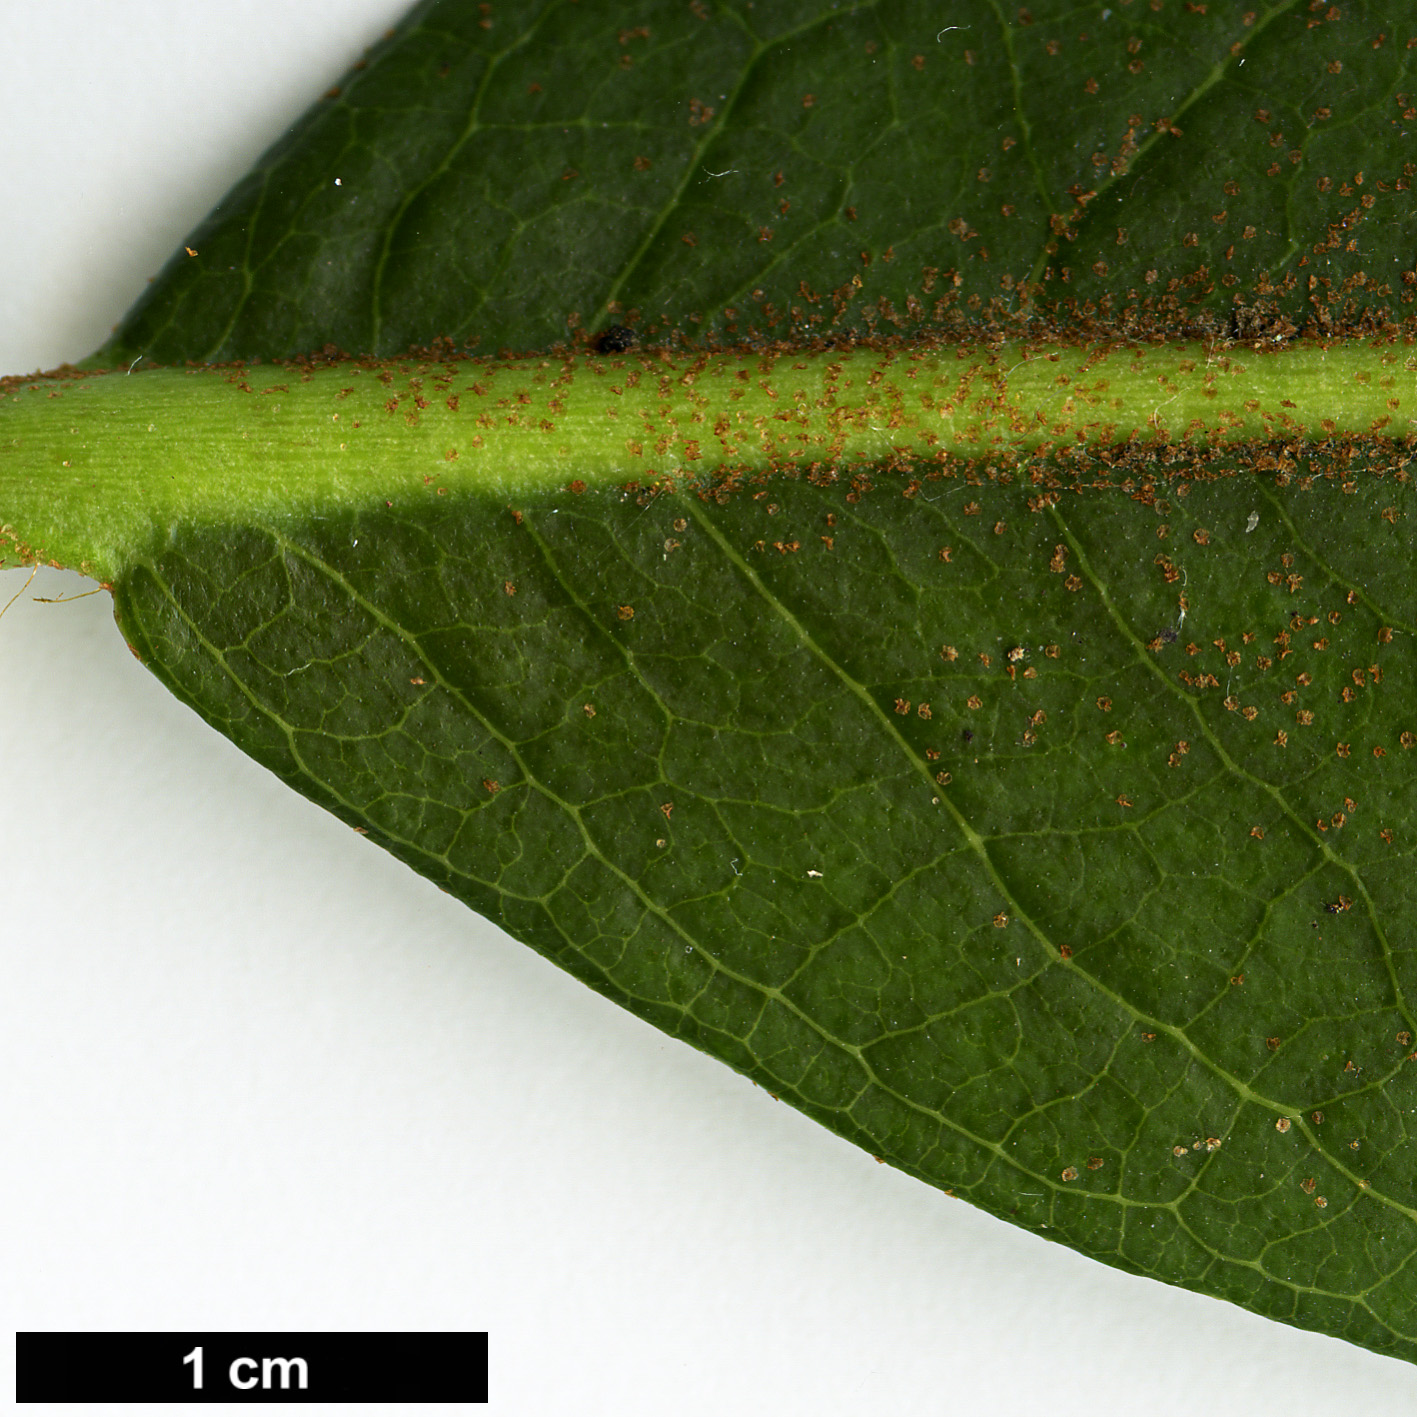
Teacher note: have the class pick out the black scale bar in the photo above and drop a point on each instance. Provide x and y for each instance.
(251, 1367)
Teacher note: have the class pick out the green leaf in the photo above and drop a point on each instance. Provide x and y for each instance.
(798, 168)
(758, 689)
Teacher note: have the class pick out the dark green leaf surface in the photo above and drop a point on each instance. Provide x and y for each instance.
(1067, 870)
(1135, 977)
(791, 167)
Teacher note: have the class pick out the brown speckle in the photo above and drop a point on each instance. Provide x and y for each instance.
(625, 612)
(1070, 1173)
(1282, 1124)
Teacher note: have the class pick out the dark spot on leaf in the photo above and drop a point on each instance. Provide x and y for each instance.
(615, 339)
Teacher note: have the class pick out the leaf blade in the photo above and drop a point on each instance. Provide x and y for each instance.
(1329, 1317)
(715, 183)
(721, 937)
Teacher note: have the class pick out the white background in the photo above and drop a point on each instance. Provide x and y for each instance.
(254, 1074)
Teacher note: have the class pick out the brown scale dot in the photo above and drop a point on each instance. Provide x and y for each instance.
(1070, 1173)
